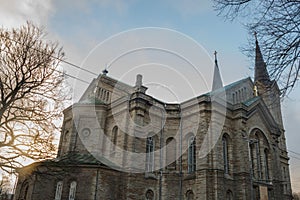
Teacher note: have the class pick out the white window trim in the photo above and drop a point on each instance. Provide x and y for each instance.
(72, 190)
(58, 192)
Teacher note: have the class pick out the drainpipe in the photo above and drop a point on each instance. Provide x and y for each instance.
(96, 187)
(250, 141)
(161, 155)
(180, 153)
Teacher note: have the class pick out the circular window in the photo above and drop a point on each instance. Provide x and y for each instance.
(85, 132)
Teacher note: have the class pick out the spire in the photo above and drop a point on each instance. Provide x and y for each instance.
(217, 81)
(261, 73)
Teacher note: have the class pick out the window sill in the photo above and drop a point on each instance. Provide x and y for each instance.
(190, 176)
(150, 175)
(228, 176)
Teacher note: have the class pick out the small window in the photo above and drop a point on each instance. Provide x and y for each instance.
(191, 154)
(72, 190)
(225, 155)
(114, 142)
(189, 195)
(266, 159)
(149, 195)
(150, 154)
(229, 195)
(58, 192)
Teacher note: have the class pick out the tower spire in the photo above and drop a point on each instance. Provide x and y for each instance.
(261, 73)
(217, 80)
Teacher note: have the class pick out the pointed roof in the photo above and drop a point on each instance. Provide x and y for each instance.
(261, 73)
(217, 80)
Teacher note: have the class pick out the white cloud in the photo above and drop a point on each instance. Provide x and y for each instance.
(14, 13)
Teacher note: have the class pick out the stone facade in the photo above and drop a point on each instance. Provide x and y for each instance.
(118, 143)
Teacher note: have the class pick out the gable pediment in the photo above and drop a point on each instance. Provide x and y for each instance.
(258, 108)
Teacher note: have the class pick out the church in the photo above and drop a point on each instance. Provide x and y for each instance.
(120, 143)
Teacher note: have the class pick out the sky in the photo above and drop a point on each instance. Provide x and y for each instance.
(93, 32)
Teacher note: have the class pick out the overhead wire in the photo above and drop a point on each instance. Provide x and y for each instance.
(61, 60)
(64, 61)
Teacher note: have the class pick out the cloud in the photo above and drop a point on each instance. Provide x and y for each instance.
(14, 13)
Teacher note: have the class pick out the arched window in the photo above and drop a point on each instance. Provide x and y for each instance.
(191, 154)
(150, 154)
(258, 160)
(149, 195)
(24, 190)
(225, 155)
(259, 156)
(266, 160)
(252, 153)
(171, 153)
(114, 139)
(189, 195)
(59, 187)
(72, 190)
(229, 195)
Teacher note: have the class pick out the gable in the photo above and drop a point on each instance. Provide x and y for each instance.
(259, 114)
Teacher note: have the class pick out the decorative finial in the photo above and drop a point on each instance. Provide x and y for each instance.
(105, 72)
(139, 81)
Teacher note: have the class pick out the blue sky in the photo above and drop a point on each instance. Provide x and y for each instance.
(79, 26)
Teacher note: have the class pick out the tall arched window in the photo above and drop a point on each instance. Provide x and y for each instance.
(191, 154)
(114, 139)
(252, 153)
(72, 190)
(266, 160)
(59, 187)
(150, 154)
(258, 160)
(225, 155)
(171, 153)
(259, 146)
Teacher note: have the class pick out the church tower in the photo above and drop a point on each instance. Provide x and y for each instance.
(266, 88)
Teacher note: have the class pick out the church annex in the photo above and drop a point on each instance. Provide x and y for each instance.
(119, 143)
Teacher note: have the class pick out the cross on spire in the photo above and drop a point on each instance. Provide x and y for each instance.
(217, 80)
(215, 53)
(255, 35)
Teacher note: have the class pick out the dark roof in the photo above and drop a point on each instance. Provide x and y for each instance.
(75, 158)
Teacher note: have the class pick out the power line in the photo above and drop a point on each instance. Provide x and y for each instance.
(69, 63)
(293, 152)
(295, 157)
(64, 73)
(75, 77)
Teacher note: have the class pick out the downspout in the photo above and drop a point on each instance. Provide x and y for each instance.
(180, 153)
(96, 187)
(161, 155)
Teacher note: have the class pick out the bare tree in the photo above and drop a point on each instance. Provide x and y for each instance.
(32, 95)
(277, 23)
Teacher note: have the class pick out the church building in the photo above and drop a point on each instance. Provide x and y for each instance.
(119, 143)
